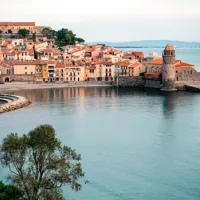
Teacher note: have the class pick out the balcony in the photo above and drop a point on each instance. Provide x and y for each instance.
(51, 75)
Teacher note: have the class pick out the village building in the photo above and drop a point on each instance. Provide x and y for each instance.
(136, 69)
(15, 26)
(60, 67)
(74, 73)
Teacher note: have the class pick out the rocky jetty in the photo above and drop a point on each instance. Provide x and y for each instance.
(12, 102)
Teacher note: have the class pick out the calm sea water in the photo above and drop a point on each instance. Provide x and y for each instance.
(135, 144)
(190, 55)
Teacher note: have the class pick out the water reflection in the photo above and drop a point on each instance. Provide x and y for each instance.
(111, 97)
(136, 143)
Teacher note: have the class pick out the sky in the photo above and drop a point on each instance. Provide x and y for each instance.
(111, 20)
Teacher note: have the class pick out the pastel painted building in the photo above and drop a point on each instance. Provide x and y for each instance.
(136, 69)
(74, 73)
(90, 73)
(60, 68)
(25, 67)
(51, 67)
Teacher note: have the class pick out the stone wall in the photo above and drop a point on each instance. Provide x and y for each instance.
(131, 81)
(152, 84)
(137, 82)
(18, 78)
(13, 102)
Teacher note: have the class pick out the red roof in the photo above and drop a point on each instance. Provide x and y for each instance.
(183, 64)
(134, 65)
(156, 62)
(89, 67)
(60, 65)
(138, 53)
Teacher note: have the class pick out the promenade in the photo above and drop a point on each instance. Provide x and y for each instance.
(29, 86)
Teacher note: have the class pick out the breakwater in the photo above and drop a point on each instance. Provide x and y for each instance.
(12, 102)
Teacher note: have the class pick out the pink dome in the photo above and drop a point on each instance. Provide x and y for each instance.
(169, 47)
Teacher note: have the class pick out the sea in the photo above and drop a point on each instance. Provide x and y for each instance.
(136, 144)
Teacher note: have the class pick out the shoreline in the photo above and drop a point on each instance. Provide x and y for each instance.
(17, 86)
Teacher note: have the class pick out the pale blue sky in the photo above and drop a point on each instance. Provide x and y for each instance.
(112, 20)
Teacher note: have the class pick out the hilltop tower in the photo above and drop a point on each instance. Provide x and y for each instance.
(168, 69)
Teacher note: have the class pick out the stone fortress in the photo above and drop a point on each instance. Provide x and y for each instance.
(14, 27)
(166, 73)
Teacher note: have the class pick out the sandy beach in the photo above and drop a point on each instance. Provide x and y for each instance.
(30, 86)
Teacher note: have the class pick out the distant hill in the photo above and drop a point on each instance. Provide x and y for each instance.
(150, 43)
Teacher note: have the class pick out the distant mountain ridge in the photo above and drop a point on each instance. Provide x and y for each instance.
(150, 43)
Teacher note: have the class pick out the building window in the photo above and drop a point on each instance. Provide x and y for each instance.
(25, 72)
(25, 67)
(67, 79)
(31, 72)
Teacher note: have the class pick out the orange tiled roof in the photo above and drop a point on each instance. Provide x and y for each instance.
(183, 64)
(138, 53)
(178, 63)
(134, 65)
(90, 67)
(156, 62)
(29, 62)
(60, 65)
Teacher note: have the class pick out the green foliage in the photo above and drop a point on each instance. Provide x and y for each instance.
(34, 37)
(10, 192)
(49, 33)
(63, 36)
(24, 32)
(40, 164)
(1, 31)
(9, 31)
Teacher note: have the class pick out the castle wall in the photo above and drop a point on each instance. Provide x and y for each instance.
(131, 81)
(152, 84)
(138, 82)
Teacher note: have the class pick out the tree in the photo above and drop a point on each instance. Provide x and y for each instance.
(80, 40)
(40, 164)
(73, 37)
(9, 31)
(34, 36)
(68, 38)
(1, 31)
(10, 192)
(24, 32)
(62, 36)
(49, 33)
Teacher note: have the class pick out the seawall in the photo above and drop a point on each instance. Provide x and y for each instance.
(12, 102)
(137, 82)
(141, 82)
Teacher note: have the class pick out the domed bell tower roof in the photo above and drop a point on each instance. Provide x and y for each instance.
(169, 47)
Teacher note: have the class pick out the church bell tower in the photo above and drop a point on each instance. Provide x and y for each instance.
(168, 69)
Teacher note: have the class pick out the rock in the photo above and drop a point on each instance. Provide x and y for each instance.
(14, 104)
